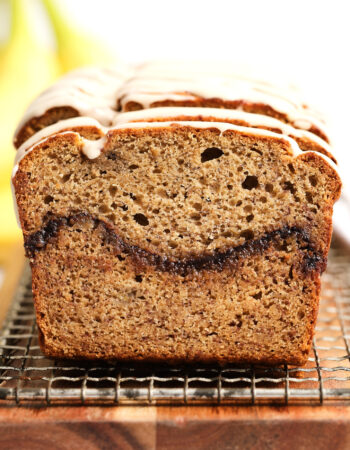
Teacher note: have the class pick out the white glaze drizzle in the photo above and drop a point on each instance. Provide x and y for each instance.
(92, 149)
(203, 70)
(95, 92)
(218, 87)
(154, 82)
(216, 72)
(58, 127)
(254, 120)
(298, 117)
(91, 91)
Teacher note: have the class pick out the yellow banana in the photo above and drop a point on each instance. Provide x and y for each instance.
(76, 48)
(26, 67)
(9, 230)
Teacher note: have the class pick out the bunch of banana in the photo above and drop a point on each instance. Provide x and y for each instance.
(27, 66)
(76, 48)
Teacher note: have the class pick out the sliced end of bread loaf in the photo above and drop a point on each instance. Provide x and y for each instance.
(181, 242)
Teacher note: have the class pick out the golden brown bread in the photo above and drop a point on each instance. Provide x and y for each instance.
(177, 243)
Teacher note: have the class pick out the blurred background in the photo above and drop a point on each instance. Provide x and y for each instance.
(305, 42)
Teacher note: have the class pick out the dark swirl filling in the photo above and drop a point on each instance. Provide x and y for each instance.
(217, 260)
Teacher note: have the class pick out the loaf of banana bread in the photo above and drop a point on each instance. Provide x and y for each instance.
(174, 215)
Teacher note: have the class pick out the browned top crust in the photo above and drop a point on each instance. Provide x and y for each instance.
(100, 94)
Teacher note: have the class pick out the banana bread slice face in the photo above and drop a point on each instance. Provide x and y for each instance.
(181, 242)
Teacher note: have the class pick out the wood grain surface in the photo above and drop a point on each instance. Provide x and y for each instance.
(93, 428)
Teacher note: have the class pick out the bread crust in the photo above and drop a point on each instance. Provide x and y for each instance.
(36, 124)
(256, 108)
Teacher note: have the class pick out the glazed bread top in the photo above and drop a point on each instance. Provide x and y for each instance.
(103, 93)
(102, 109)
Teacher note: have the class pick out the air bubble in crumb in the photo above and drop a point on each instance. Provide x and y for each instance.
(211, 153)
(251, 182)
(141, 219)
(48, 199)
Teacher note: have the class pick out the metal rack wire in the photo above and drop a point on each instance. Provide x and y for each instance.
(27, 377)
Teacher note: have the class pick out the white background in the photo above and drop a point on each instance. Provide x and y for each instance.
(306, 41)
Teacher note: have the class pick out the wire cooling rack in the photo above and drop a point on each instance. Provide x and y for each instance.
(27, 377)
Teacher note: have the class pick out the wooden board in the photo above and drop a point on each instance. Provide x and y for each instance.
(91, 428)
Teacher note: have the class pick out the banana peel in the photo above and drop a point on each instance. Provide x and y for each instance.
(26, 67)
(75, 48)
(9, 230)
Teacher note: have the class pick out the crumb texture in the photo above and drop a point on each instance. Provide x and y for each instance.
(95, 301)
